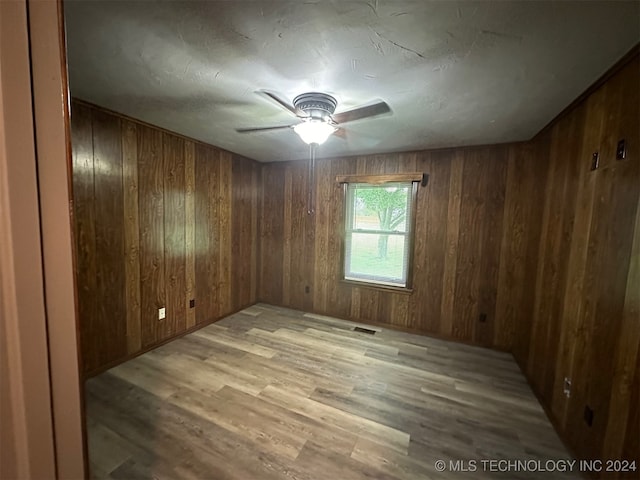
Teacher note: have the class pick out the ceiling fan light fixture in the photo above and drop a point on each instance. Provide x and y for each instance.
(314, 131)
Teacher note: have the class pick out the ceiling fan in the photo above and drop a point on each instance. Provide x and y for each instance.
(316, 110)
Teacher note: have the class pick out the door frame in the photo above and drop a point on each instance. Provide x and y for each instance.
(41, 402)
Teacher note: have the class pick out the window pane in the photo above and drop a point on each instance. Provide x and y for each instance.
(376, 257)
(379, 207)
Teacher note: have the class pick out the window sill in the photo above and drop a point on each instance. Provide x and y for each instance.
(377, 286)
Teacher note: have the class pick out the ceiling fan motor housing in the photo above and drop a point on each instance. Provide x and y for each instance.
(316, 105)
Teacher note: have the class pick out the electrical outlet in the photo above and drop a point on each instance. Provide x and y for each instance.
(567, 387)
(621, 150)
(162, 313)
(588, 415)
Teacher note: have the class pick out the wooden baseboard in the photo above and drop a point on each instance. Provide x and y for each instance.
(400, 328)
(107, 366)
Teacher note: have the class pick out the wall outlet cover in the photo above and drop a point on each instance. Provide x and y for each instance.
(621, 150)
(588, 415)
(567, 387)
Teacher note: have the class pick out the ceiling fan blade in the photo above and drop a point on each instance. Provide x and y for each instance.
(366, 111)
(262, 129)
(342, 133)
(280, 101)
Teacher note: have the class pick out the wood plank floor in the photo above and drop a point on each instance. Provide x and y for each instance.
(272, 393)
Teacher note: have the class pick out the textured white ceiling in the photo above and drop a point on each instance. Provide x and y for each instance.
(454, 73)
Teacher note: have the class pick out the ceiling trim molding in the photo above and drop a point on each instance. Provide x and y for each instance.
(151, 125)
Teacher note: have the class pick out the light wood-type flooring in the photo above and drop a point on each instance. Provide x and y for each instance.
(272, 393)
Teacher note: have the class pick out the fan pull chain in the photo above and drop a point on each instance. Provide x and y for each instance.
(312, 183)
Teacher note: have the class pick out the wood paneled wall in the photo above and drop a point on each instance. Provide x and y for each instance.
(159, 220)
(475, 242)
(586, 315)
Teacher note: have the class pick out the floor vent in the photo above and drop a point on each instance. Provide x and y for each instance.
(364, 330)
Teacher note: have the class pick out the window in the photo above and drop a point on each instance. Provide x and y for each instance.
(378, 232)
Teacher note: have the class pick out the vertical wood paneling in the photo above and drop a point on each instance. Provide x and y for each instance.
(539, 168)
(321, 219)
(522, 217)
(564, 219)
(174, 236)
(614, 305)
(225, 243)
(557, 219)
(131, 234)
(434, 241)
(472, 211)
(415, 315)
(491, 240)
(84, 230)
(355, 303)
(109, 231)
(452, 238)
(296, 190)
(152, 234)
(272, 235)
(586, 322)
(243, 233)
(624, 402)
(249, 234)
(286, 237)
(255, 190)
(190, 230)
(203, 264)
(235, 229)
(152, 226)
(579, 253)
(214, 233)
